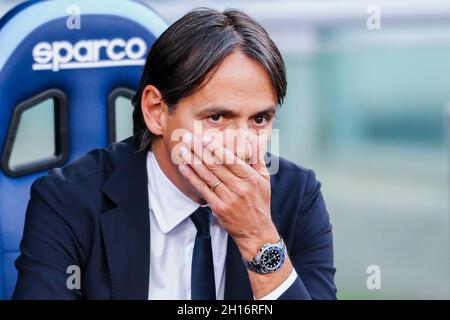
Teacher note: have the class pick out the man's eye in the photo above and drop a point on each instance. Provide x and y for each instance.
(215, 117)
(260, 119)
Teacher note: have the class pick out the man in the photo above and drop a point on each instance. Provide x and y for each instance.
(179, 210)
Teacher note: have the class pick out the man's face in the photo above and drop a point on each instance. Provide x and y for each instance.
(238, 99)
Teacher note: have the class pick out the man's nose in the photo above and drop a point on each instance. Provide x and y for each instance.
(240, 142)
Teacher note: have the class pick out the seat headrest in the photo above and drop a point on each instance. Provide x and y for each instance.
(83, 48)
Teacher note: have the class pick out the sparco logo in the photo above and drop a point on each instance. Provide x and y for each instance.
(98, 53)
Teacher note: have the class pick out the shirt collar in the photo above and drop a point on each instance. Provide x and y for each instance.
(169, 204)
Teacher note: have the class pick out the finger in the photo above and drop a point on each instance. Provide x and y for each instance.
(199, 185)
(210, 161)
(204, 173)
(228, 158)
(197, 148)
(259, 147)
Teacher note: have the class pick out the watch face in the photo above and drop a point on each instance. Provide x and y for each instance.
(272, 258)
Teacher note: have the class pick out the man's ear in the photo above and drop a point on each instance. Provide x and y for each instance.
(153, 110)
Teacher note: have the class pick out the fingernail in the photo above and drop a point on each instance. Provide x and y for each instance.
(206, 140)
(187, 137)
(183, 151)
(181, 167)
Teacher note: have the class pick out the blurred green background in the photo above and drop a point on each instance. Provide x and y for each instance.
(366, 110)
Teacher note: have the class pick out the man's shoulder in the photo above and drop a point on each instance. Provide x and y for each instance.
(92, 169)
(283, 170)
(290, 181)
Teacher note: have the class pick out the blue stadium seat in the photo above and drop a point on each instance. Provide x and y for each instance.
(64, 68)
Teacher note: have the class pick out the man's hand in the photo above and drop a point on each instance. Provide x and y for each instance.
(241, 201)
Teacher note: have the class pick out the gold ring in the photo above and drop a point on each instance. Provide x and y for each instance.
(215, 185)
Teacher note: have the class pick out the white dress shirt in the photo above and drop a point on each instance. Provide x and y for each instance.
(172, 238)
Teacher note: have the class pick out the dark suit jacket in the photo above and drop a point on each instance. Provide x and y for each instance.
(94, 213)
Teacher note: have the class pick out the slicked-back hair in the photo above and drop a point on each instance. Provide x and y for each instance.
(185, 55)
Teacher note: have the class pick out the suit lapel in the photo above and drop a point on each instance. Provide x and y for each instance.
(126, 229)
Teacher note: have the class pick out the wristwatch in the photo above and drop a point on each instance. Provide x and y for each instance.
(270, 258)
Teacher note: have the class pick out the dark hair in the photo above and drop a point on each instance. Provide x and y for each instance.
(182, 58)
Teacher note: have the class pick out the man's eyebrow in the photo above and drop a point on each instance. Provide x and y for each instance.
(209, 111)
(230, 113)
(269, 110)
